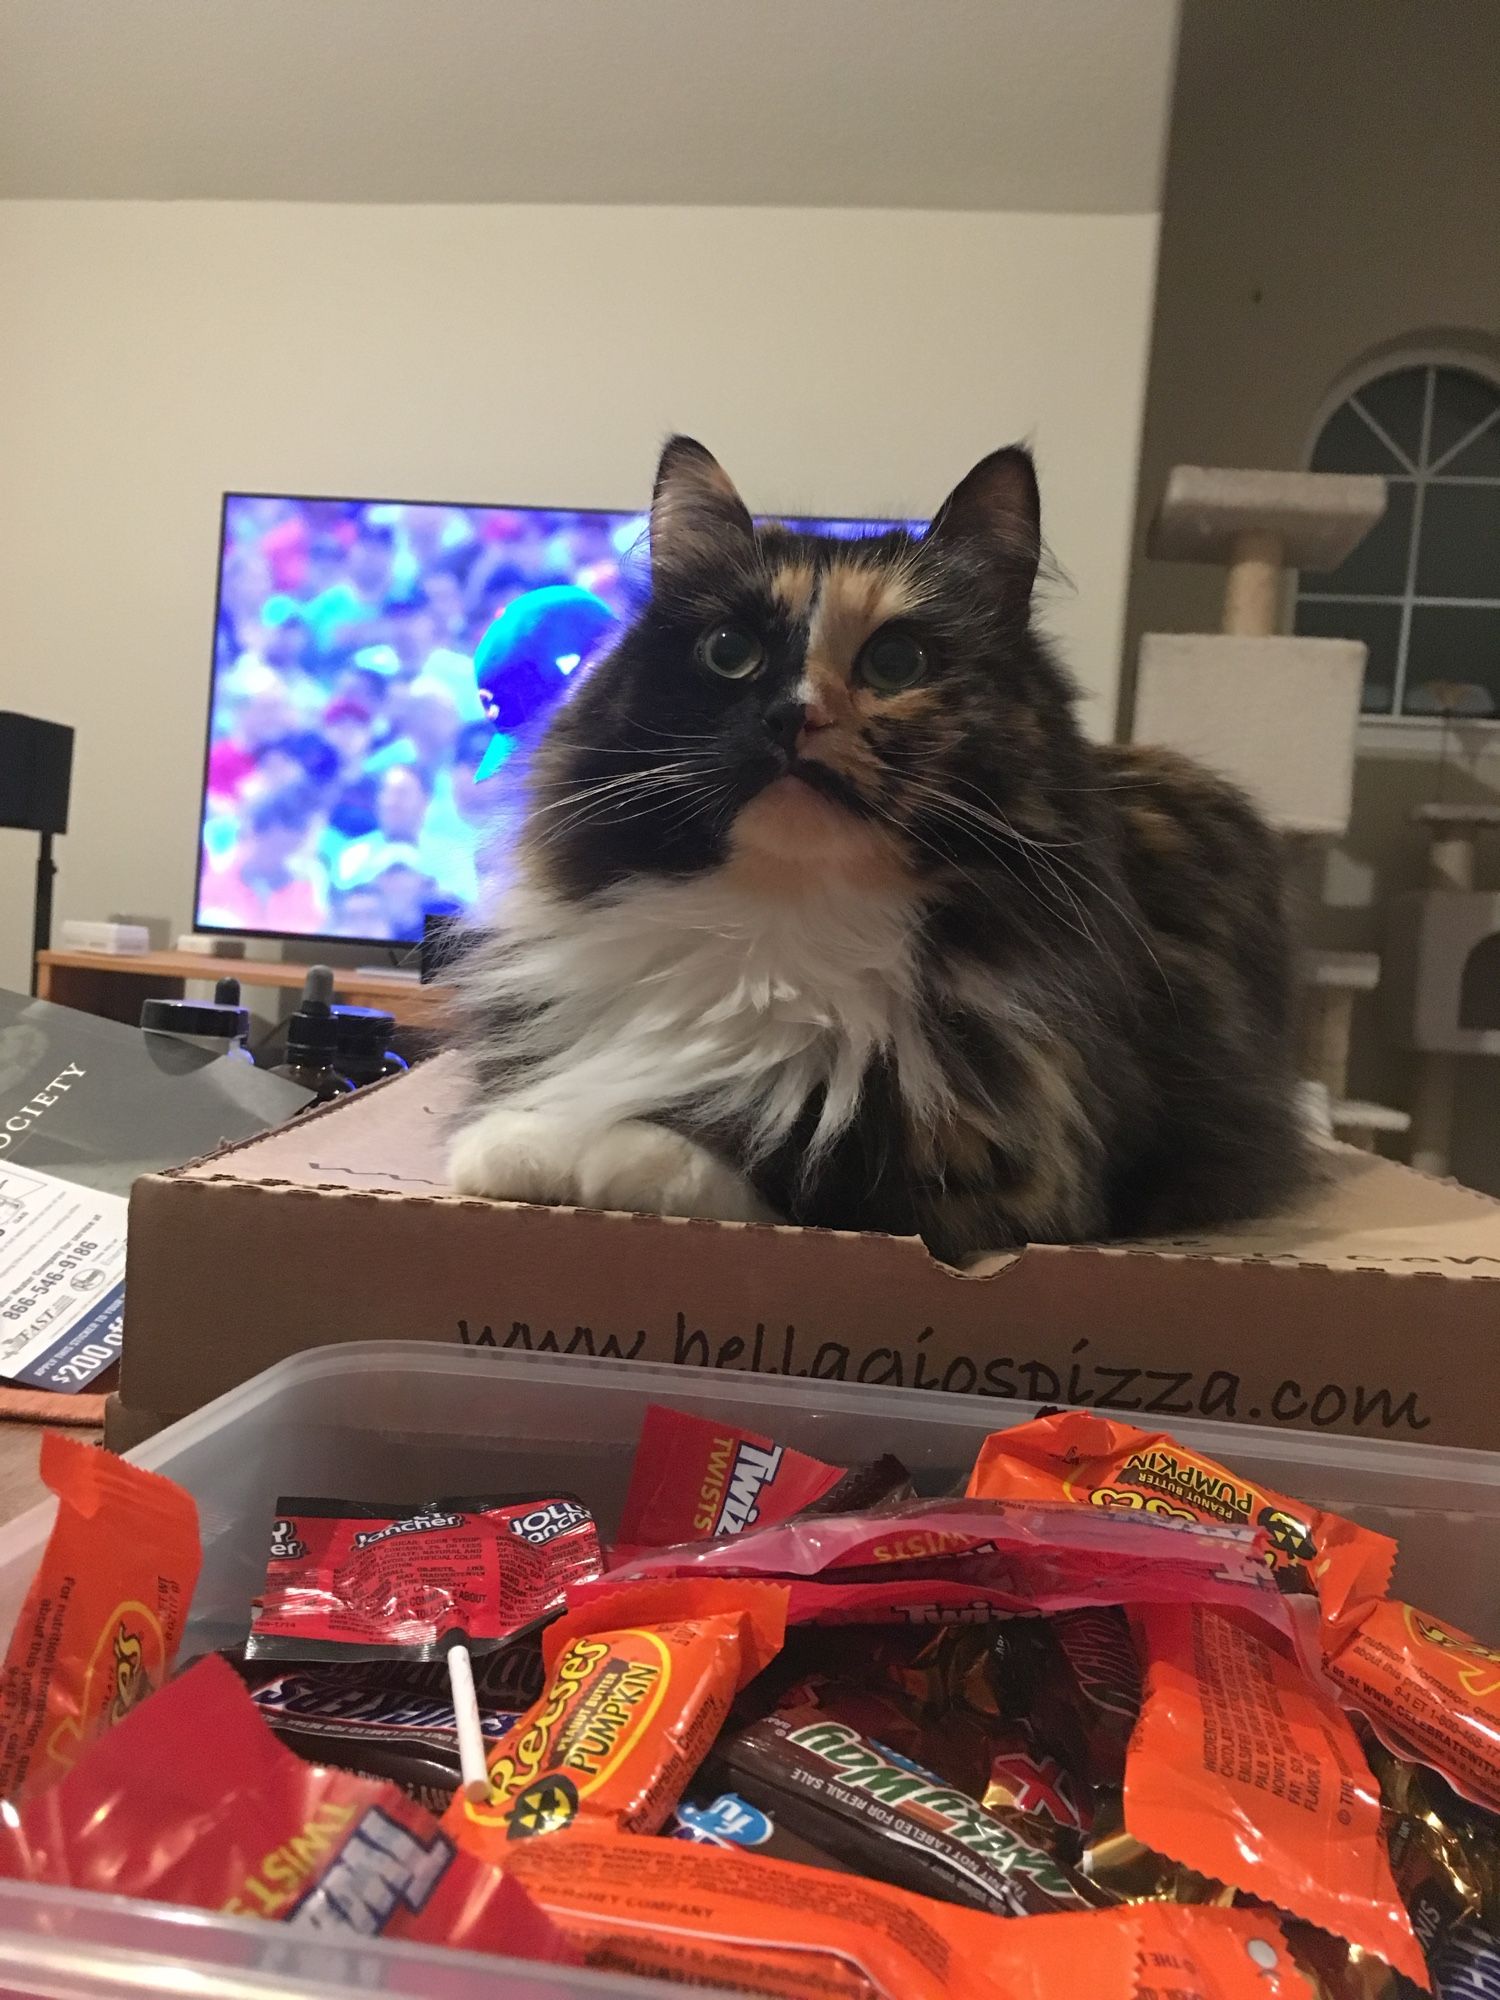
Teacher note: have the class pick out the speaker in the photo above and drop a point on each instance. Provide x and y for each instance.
(36, 770)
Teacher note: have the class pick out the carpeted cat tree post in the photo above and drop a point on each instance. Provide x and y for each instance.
(1276, 713)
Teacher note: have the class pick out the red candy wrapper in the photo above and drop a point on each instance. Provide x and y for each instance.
(950, 1561)
(192, 1800)
(693, 1480)
(1242, 1770)
(362, 1579)
(104, 1614)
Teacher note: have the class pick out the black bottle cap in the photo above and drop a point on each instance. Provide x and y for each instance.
(364, 1030)
(196, 1017)
(312, 1032)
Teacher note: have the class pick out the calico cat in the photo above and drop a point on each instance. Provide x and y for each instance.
(825, 910)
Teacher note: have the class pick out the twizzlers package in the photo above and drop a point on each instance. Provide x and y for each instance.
(693, 1479)
(947, 1561)
(348, 1578)
(192, 1800)
(104, 1614)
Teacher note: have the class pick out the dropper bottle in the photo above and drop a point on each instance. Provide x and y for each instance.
(312, 1041)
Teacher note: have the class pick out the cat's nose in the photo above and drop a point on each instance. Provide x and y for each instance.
(784, 724)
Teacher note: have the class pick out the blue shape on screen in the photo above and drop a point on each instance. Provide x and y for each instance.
(523, 661)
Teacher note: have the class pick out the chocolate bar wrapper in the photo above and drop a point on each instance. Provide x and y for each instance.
(884, 1817)
(355, 1719)
(1467, 1966)
(1088, 1693)
(952, 1744)
(880, 1483)
(1025, 1783)
(1117, 1862)
(1439, 1845)
(713, 1814)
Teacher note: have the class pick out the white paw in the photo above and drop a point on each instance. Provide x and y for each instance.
(643, 1168)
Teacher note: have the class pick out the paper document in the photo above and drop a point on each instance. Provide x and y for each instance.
(62, 1279)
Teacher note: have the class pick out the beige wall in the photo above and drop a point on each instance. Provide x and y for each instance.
(153, 354)
(1333, 184)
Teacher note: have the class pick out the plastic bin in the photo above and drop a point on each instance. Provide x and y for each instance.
(407, 1420)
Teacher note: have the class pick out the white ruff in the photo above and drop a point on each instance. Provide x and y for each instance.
(706, 993)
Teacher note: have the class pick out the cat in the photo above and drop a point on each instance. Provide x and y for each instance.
(824, 910)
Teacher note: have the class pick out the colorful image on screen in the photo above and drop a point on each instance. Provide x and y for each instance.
(379, 667)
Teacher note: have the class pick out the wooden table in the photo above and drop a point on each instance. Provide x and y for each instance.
(114, 984)
(20, 1483)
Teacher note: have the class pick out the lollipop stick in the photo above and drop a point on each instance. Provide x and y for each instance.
(475, 1779)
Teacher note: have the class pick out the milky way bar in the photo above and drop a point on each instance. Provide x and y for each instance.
(869, 1810)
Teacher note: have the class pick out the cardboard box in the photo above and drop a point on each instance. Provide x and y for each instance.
(1374, 1309)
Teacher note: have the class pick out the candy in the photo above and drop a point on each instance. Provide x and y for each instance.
(693, 1479)
(1468, 1966)
(638, 1687)
(192, 1800)
(1088, 1693)
(104, 1613)
(1098, 1462)
(703, 1915)
(376, 1580)
(1241, 1770)
(950, 1561)
(358, 1720)
(1430, 1692)
(872, 1810)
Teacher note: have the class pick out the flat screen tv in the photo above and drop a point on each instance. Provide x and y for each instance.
(378, 668)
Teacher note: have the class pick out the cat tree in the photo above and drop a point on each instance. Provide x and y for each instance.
(1442, 960)
(1275, 712)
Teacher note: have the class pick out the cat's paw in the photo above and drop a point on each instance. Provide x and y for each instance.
(643, 1168)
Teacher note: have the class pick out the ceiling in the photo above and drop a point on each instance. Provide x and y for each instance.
(983, 104)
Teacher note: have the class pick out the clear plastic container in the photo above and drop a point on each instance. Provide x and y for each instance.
(400, 1419)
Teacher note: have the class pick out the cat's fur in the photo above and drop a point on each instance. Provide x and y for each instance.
(919, 961)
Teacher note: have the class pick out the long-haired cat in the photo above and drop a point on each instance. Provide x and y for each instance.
(825, 910)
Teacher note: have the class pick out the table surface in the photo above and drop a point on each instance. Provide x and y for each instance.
(248, 971)
(20, 1483)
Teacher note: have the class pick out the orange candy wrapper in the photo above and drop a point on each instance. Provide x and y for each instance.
(1097, 1461)
(103, 1617)
(1430, 1692)
(639, 1684)
(705, 1916)
(1240, 1769)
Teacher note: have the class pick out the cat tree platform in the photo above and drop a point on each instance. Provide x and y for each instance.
(1277, 715)
(1260, 523)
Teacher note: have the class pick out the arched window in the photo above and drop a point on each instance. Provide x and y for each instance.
(1423, 589)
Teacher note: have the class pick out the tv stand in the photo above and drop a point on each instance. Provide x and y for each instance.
(115, 984)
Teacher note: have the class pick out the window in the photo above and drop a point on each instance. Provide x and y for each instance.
(1423, 588)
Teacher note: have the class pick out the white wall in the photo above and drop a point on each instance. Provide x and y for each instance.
(152, 355)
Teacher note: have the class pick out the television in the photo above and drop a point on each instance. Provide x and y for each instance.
(379, 667)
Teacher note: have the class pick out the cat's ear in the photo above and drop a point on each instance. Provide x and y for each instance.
(996, 510)
(697, 519)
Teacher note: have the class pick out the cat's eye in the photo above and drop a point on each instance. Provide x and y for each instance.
(891, 661)
(731, 652)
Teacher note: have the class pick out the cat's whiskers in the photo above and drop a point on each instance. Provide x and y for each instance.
(963, 819)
